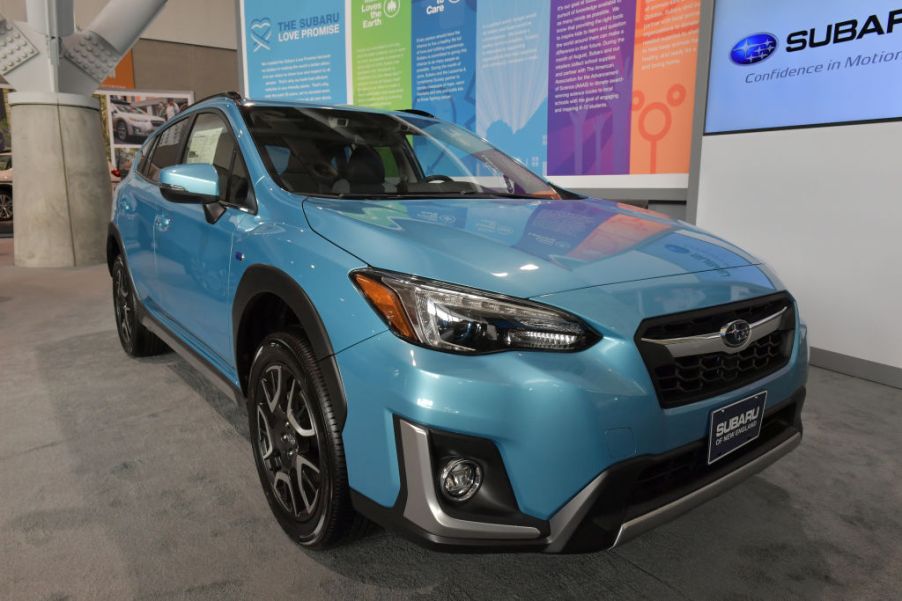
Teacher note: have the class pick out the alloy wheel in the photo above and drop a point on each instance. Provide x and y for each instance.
(125, 312)
(288, 442)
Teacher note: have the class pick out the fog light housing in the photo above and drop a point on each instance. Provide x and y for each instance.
(460, 479)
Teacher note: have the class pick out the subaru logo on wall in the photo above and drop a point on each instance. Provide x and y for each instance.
(753, 49)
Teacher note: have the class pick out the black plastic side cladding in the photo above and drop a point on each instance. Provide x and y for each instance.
(262, 279)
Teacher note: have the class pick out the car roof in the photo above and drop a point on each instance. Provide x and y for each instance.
(251, 102)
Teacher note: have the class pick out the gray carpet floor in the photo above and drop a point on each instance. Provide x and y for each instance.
(133, 479)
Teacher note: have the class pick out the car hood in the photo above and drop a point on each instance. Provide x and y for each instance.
(520, 247)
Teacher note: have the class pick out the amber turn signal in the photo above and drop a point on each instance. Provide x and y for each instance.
(387, 303)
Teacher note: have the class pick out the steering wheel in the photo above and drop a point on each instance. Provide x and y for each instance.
(438, 178)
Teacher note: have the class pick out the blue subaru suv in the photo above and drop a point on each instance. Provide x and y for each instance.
(428, 336)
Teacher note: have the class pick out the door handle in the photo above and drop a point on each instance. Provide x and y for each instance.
(162, 223)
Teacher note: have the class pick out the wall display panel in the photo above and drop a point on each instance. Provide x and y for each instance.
(295, 50)
(778, 64)
(512, 78)
(444, 59)
(584, 88)
(131, 118)
(380, 42)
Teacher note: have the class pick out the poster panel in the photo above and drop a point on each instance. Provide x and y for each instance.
(295, 50)
(512, 78)
(444, 59)
(590, 86)
(381, 58)
(586, 88)
(664, 85)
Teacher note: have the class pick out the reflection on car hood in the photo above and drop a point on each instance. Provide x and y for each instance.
(523, 248)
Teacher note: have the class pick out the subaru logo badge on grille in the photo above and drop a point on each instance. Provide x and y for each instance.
(753, 49)
(736, 333)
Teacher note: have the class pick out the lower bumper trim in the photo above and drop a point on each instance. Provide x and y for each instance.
(653, 519)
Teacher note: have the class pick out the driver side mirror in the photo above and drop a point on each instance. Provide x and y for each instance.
(195, 183)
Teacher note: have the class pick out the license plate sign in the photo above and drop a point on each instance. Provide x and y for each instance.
(735, 425)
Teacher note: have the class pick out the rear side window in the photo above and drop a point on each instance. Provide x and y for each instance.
(168, 149)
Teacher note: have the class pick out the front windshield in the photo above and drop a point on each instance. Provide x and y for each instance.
(348, 153)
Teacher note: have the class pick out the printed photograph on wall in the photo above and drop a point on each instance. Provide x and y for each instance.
(132, 117)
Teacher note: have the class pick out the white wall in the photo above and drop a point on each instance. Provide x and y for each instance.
(200, 22)
(824, 208)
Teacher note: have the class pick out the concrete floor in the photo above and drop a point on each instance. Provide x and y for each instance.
(124, 479)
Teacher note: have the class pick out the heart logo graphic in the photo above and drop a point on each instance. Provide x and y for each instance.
(261, 33)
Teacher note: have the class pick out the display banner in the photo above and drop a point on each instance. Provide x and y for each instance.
(380, 42)
(295, 50)
(664, 69)
(778, 64)
(587, 88)
(512, 78)
(444, 59)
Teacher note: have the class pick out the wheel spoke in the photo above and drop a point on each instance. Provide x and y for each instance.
(301, 463)
(282, 481)
(297, 408)
(272, 390)
(264, 434)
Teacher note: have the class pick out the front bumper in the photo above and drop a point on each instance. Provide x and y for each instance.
(625, 500)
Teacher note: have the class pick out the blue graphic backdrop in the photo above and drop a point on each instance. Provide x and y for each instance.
(296, 50)
(512, 78)
(444, 59)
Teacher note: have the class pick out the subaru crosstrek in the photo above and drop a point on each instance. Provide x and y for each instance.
(428, 335)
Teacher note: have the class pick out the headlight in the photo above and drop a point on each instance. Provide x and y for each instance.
(462, 320)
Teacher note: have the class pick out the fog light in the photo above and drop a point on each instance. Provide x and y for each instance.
(460, 479)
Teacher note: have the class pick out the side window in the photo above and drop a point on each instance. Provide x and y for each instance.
(168, 149)
(211, 142)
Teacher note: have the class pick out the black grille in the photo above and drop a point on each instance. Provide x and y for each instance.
(683, 380)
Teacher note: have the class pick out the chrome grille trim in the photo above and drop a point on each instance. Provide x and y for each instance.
(713, 343)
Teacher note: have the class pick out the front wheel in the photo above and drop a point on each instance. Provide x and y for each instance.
(297, 443)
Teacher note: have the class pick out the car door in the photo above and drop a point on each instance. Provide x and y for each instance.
(193, 254)
(139, 210)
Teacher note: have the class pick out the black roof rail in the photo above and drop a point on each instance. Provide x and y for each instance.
(232, 95)
(419, 112)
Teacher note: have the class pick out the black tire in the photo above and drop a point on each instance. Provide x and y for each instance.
(136, 340)
(297, 444)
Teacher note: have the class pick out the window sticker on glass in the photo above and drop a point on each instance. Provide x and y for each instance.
(202, 145)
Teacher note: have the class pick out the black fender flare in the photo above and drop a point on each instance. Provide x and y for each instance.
(263, 279)
(114, 242)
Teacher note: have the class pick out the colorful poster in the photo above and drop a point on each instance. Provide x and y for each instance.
(444, 59)
(590, 86)
(512, 78)
(381, 58)
(569, 87)
(663, 85)
(295, 50)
